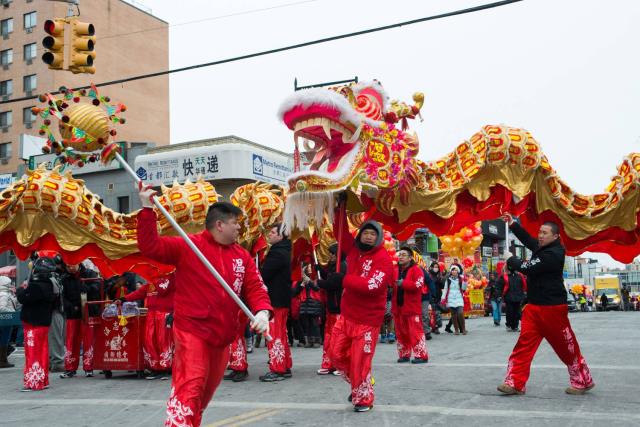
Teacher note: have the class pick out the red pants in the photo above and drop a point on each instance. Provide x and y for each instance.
(328, 329)
(78, 332)
(552, 324)
(36, 356)
(410, 336)
(237, 349)
(197, 372)
(352, 348)
(158, 342)
(279, 351)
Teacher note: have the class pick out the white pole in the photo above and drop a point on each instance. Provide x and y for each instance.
(506, 238)
(193, 247)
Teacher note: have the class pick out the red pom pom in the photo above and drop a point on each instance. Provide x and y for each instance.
(123, 107)
(92, 159)
(42, 132)
(64, 105)
(76, 99)
(83, 92)
(96, 102)
(80, 164)
(107, 99)
(47, 122)
(42, 98)
(100, 141)
(46, 149)
(113, 132)
(122, 121)
(65, 119)
(55, 144)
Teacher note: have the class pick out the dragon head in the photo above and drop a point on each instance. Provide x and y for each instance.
(351, 140)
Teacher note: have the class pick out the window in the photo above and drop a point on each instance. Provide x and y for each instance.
(6, 88)
(30, 82)
(6, 119)
(5, 150)
(6, 26)
(123, 204)
(30, 20)
(29, 51)
(6, 57)
(27, 116)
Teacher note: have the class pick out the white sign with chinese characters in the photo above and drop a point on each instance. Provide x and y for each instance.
(224, 161)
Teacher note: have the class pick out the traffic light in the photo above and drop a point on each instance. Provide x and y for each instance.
(82, 44)
(54, 43)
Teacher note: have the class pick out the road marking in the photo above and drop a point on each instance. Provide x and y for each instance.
(488, 365)
(293, 406)
(256, 418)
(243, 417)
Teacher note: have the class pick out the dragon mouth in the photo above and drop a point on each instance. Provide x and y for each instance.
(327, 144)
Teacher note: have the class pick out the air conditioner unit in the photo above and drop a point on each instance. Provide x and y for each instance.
(5, 129)
(29, 30)
(5, 66)
(4, 161)
(6, 3)
(28, 125)
(5, 97)
(29, 61)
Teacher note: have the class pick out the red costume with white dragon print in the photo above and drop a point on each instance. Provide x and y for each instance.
(205, 316)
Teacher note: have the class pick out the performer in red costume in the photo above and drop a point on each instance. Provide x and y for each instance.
(205, 316)
(158, 341)
(407, 309)
(546, 314)
(369, 274)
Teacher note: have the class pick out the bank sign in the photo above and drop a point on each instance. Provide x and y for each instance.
(224, 161)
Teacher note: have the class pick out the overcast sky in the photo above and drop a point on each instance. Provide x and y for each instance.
(565, 70)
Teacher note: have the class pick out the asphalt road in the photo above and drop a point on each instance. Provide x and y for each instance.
(457, 387)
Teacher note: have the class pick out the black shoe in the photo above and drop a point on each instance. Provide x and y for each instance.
(270, 377)
(231, 375)
(287, 373)
(68, 374)
(419, 361)
(240, 376)
(88, 374)
(428, 336)
(449, 331)
(403, 359)
(496, 323)
(152, 376)
(362, 408)
(10, 349)
(436, 331)
(350, 398)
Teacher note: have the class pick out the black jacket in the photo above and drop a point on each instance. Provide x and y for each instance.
(513, 289)
(438, 280)
(544, 271)
(494, 288)
(276, 273)
(37, 301)
(333, 286)
(73, 286)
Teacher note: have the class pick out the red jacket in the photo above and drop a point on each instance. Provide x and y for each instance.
(158, 294)
(412, 286)
(365, 283)
(201, 305)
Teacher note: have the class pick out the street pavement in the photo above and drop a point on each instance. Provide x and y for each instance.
(457, 387)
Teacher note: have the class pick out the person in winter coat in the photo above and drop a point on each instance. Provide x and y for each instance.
(276, 273)
(369, 273)
(514, 289)
(37, 298)
(453, 296)
(205, 316)
(311, 308)
(74, 284)
(8, 304)
(158, 346)
(494, 288)
(407, 309)
(546, 314)
(333, 293)
(437, 278)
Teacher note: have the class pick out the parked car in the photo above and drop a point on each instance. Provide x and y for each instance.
(571, 303)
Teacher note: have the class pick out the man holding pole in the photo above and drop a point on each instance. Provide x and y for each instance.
(205, 316)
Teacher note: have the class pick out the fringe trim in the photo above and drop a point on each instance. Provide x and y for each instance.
(307, 208)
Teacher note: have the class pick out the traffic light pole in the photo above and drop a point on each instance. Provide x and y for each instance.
(193, 247)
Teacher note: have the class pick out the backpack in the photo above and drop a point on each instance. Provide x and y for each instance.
(518, 297)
